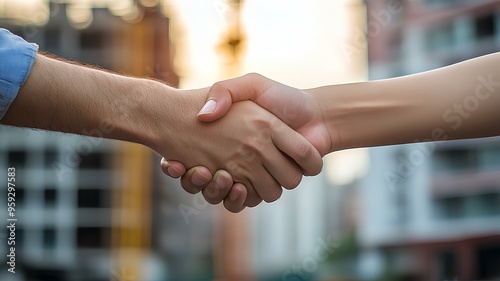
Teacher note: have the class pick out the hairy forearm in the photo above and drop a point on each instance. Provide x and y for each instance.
(455, 102)
(60, 96)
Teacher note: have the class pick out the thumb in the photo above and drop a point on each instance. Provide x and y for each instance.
(217, 104)
(222, 94)
(172, 169)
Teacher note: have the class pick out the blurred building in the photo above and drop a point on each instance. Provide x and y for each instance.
(431, 211)
(68, 186)
(296, 237)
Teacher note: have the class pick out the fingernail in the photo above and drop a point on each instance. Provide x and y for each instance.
(198, 179)
(169, 170)
(208, 108)
(165, 167)
(173, 172)
(221, 182)
(233, 196)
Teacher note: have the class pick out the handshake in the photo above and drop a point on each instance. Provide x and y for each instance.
(252, 136)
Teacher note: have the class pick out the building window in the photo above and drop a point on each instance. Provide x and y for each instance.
(50, 156)
(89, 198)
(485, 26)
(93, 237)
(489, 157)
(447, 265)
(50, 197)
(454, 159)
(52, 40)
(92, 40)
(486, 204)
(20, 237)
(96, 160)
(20, 195)
(485, 157)
(487, 261)
(450, 208)
(49, 238)
(479, 205)
(17, 158)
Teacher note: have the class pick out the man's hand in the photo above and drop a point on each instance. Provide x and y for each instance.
(298, 109)
(252, 145)
(256, 148)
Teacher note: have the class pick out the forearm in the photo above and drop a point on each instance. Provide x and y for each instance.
(60, 96)
(456, 102)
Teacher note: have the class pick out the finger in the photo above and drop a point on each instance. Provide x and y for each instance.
(244, 171)
(171, 168)
(196, 179)
(284, 170)
(234, 201)
(253, 198)
(251, 172)
(298, 148)
(222, 94)
(266, 186)
(215, 191)
(217, 105)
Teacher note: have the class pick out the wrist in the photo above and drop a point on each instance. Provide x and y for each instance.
(166, 117)
(327, 100)
(348, 111)
(367, 114)
(148, 106)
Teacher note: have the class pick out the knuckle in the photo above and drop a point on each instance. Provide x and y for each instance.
(304, 150)
(188, 187)
(253, 75)
(294, 181)
(218, 86)
(248, 151)
(274, 196)
(232, 208)
(210, 199)
(315, 167)
(260, 142)
(212, 194)
(318, 168)
(191, 190)
(253, 201)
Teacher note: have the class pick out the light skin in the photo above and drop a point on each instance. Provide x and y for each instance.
(249, 148)
(456, 102)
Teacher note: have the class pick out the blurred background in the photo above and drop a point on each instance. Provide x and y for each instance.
(90, 209)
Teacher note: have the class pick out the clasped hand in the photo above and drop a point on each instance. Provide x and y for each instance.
(249, 154)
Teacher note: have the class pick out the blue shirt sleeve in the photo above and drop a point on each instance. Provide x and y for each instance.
(16, 58)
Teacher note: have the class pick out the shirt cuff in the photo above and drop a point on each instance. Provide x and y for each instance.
(16, 59)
